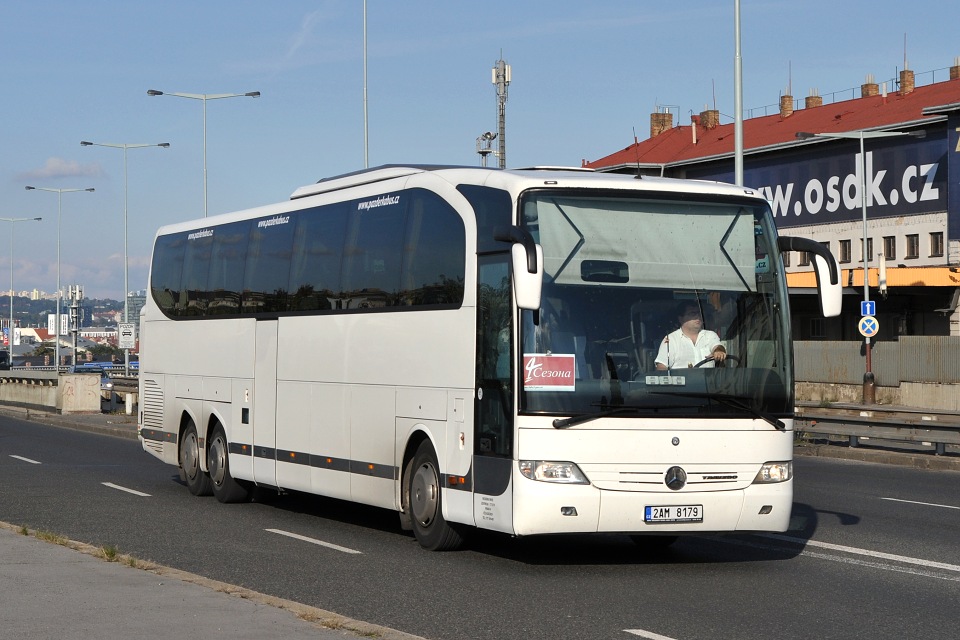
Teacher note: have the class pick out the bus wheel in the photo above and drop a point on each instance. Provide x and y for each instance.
(426, 513)
(197, 481)
(225, 488)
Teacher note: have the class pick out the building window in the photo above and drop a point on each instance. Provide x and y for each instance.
(869, 248)
(844, 251)
(890, 247)
(913, 246)
(804, 259)
(817, 328)
(786, 258)
(936, 244)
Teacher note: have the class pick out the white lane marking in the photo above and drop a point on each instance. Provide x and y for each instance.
(328, 545)
(845, 560)
(930, 564)
(119, 488)
(925, 504)
(650, 635)
(24, 459)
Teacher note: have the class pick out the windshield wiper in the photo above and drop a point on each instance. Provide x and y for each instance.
(731, 401)
(563, 423)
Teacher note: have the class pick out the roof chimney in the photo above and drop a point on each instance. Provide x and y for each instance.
(869, 88)
(813, 100)
(906, 82)
(955, 69)
(710, 118)
(660, 121)
(786, 106)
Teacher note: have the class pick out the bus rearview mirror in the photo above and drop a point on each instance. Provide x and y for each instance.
(526, 285)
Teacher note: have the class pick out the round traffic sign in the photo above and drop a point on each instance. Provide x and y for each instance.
(868, 326)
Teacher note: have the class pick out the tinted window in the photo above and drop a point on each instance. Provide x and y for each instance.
(166, 271)
(371, 268)
(317, 256)
(402, 249)
(493, 208)
(196, 266)
(268, 265)
(433, 252)
(227, 259)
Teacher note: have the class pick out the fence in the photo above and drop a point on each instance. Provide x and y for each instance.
(923, 359)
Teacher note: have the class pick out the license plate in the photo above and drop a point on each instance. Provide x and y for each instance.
(674, 513)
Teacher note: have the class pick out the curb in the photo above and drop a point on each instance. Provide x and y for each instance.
(326, 620)
(926, 461)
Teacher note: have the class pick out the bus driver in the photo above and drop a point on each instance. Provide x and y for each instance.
(691, 343)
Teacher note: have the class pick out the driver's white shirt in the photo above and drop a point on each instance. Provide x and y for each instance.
(679, 351)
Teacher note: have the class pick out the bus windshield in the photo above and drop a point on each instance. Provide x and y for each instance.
(643, 296)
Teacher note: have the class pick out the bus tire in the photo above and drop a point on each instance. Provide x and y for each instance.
(425, 506)
(225, 487)
(197, 480)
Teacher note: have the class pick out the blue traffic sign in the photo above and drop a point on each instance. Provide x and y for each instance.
(868, 326)
(868, 308)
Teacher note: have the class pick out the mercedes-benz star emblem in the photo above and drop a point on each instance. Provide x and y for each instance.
(675, 478)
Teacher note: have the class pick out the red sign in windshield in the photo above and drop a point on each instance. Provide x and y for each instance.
(549, 372)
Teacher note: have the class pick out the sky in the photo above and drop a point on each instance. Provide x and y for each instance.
(585, 78)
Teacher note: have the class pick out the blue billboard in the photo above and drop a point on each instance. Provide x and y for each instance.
(821, 183)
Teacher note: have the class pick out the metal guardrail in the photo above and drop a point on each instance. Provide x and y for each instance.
(892, 424)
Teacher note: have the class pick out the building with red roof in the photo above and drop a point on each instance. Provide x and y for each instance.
(910, 174)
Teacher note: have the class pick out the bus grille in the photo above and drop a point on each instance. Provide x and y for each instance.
(651, 477)
(152, 405)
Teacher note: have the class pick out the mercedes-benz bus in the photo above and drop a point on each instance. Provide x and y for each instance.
(476, 347)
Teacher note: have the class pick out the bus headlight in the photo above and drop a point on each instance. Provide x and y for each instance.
(772, 472)
(548, 471)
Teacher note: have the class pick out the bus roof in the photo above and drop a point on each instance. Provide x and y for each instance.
(513, 181)
(571, 176)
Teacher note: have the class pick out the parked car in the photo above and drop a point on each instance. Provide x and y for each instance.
(106, 384)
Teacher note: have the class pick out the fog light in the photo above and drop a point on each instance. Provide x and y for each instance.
(568, 511)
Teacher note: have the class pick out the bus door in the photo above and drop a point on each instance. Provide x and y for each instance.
(265, 404)
(493, 398)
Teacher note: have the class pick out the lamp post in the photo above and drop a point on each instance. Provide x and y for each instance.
(868, 377)
(12, 221)
(59, 193)
(203, 97)
(126, 286)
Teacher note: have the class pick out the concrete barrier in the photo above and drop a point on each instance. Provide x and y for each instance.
(50, 391)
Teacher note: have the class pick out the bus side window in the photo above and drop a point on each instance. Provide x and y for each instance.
(166, 272)
(193, 286)
(371, 268)
(268, 268)
(228, 256)
(433, 253)
(317, 258)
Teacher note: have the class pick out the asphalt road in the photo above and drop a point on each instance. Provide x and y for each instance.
(872, 553)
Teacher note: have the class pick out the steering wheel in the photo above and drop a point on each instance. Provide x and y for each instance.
(719, 364)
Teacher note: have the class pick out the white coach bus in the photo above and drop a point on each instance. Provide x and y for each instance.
(478, 348)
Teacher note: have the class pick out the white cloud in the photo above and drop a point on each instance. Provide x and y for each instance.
(60, 168)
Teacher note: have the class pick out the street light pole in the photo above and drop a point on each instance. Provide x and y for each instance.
(203, 97)
(59, 193)
(126, 286)
(869, 389)
(10, 334)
